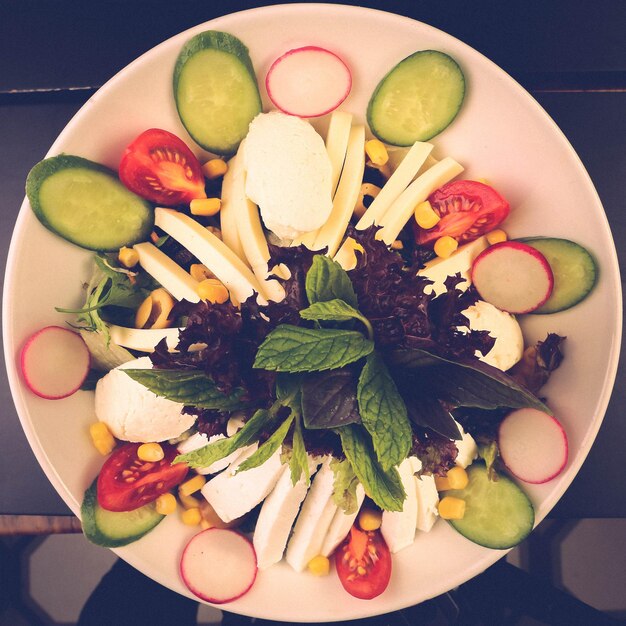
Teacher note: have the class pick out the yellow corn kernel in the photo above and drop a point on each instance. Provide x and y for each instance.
(445, 246)
(484, 181)
(192, 485)
(200, 272)
(191, 517)
(205, 524)
(451, 508)
(377, 152)
(319, 565)
(346, 257)
(188, 502)
(205, 207)
(368, 190)
(456, 478)
(397, 245)
(102, 438)
(214, 168)
(370, 519)
(150, 452)
(165, 504)
(213, 290)
(128, 257)
(425, 215)
(496, 236)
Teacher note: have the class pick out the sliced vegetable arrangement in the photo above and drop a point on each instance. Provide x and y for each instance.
(332, 344)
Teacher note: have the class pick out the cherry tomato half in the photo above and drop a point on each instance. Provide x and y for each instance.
(467, 208)
(363, 563)
(126, 482)
(159, 167)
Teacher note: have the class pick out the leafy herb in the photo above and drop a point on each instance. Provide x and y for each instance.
(383, 412)
(344, 486)
(437, 454)
(299, 460)
(335, 310)
(538, 362)
(294, 349)
(326, 280)
(383, 487)
(489, 452)
(329, 399)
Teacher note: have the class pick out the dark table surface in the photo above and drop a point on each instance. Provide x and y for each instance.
(571, 56)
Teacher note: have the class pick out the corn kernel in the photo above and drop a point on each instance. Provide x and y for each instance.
(102, 438)
(484, 181)
(445, 246)
(370, 519)
(213, 290)
(205, 524)
(425, 215)
(319, 565)
(214, 168)
(165, 504)
(200, 272)
(376, 151)
(205, 207)
(188, 502)
(150, 452)
(128, 257)
(192, 485)
(397, 245)
(496, 236)
(451, 508)
(346, 257)
(191, 517)
(456, 478)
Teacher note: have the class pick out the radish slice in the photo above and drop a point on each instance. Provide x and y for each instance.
(513, 277)
(218, 565)
(308, 82)
(533, 445)
(55, 362)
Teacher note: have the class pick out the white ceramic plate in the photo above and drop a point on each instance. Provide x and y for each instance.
(501, 134)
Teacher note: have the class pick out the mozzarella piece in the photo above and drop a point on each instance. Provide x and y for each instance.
(213, 252)
(228, 218)
(460, 261)
(200, 440)
(168, 273)
(132, 412)
(427, 501)
(314, 519)
(398, 527)
(337, 144)
(232, 495)
(468, 450)
(401, 210)
(288, 174)
(277, 516)
(341, 524)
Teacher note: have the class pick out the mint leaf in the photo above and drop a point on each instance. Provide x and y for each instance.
(336, 311)
(295, 349)
(384, 487)
(299, 460)
(329, 399)
(327, 280)
(383, 413)
(344, 486)
(188, 387)
(269, 447)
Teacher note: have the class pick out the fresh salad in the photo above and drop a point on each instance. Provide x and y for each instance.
(306, 347)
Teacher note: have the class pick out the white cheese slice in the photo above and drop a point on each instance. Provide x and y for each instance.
(337, 144)
(168, 273)
(213, 252)
(460, 261)
(341, 524)
(143, 339)
(314, 520)
(427, 501)
(402, 209)
(468, 450)
(228, 218)
(234, 494)
(398, 527)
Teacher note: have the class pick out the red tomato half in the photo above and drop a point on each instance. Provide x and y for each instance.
(159, 167)
(363, 564)
(126, 482)
(467, 208)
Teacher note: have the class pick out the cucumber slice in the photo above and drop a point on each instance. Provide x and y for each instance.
(417, 99)
(112, 530)
(216, 91)
(498, 514)
(85, 203)
(574, 269)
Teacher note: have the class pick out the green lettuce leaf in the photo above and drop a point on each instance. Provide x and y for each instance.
(344, 486)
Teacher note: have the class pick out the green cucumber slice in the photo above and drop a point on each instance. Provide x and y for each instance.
(498, 514)
(111, 529)
(85, 203)
(417, 99)
(574, 269)
(216, 91)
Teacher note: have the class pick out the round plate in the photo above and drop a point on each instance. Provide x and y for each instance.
(501, 134)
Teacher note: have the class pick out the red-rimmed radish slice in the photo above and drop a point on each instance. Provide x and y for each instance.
(533, 445)
(55, 362)
(218, 565)
(513, 277)
(308, 82)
